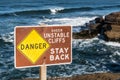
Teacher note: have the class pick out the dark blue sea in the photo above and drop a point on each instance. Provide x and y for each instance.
(89, 56)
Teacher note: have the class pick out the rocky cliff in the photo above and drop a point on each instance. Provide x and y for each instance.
(107, 28)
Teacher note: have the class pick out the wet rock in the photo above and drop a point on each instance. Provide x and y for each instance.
(114, 33)
(113, 18)
(99, 20)
(85, 34)
(108, 28)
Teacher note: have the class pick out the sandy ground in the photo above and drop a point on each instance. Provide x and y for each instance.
(97, 76)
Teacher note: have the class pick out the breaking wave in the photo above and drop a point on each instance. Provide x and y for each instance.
(75, 21)
(7, 38)
(54, 10)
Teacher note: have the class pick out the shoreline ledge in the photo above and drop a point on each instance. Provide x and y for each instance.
(94, 76)
(107, 28)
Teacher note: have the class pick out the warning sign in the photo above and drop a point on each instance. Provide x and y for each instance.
(35, 45)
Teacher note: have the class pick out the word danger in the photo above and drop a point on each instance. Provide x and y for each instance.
(57, 54)
(33, 46)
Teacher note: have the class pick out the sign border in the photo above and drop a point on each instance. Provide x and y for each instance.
(39, 26)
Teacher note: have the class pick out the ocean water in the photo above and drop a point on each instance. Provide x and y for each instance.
(89, 56)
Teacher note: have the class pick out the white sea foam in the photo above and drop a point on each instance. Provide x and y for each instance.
(73, 21)
(90, 42)
(9, 37)
(117, 53)
(76, 43)
(113, 44)
(54, 10)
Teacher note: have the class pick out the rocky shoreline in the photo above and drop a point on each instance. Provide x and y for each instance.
(107, 28)
(95, 76)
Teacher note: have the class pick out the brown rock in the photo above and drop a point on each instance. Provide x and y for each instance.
(113, 18)
(115, 28)
(95, 26)
(108, 28)
(99, 20)
(85, 34)
(96, 76)
(81, 35)
(114, 34)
